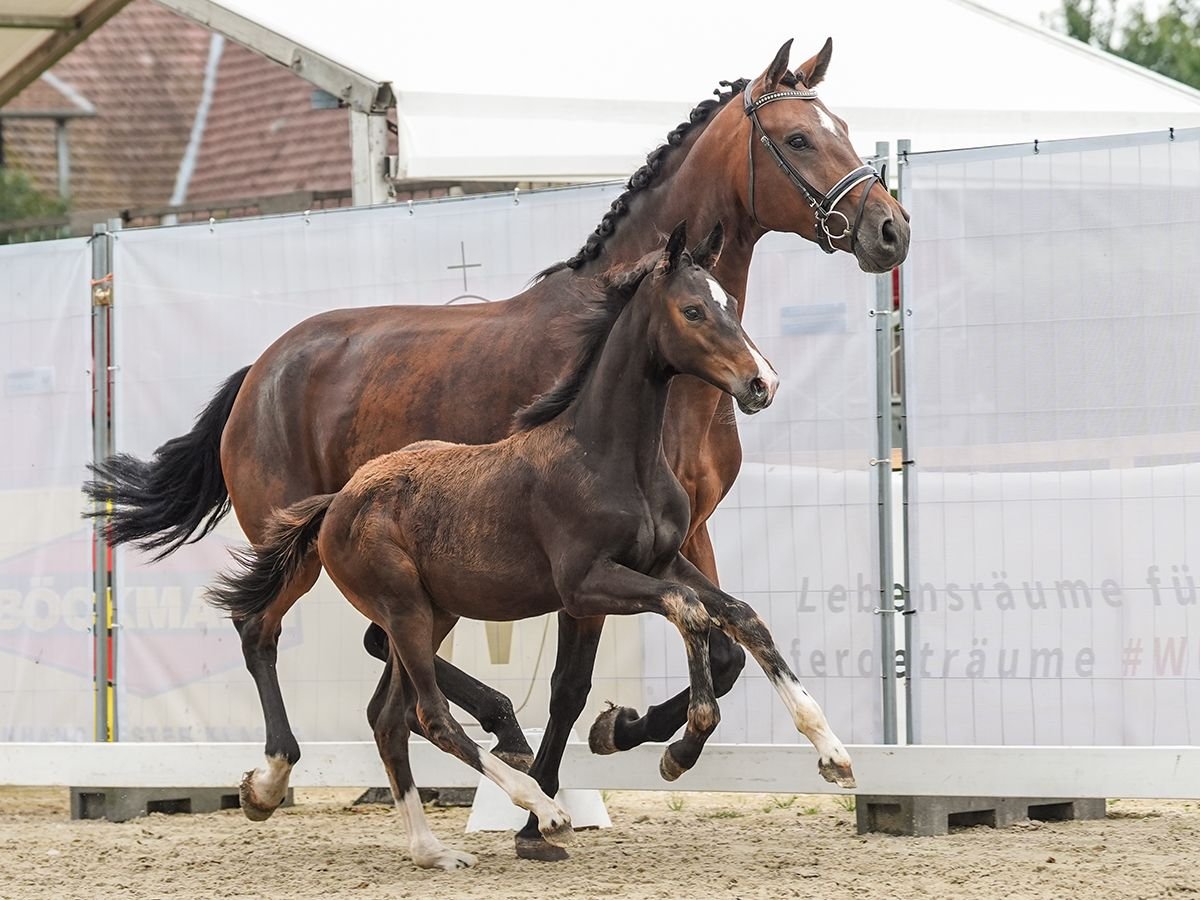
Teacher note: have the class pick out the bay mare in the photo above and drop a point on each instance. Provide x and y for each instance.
(346, 386)
(577, 511)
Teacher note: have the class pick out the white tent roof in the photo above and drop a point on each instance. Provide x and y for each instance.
(543, 90)
(34, 34)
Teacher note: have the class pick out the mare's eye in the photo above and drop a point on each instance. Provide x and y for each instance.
(693, 314)
(798, 142)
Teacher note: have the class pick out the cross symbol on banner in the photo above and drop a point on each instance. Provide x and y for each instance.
(464, 265)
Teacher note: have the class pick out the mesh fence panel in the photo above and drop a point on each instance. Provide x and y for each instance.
(1054, 416)
(45, 548)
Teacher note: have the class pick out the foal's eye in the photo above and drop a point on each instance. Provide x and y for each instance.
(798, 142)
(693, 314)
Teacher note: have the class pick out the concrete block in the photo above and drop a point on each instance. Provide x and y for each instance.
(119, 804)
(924, 816)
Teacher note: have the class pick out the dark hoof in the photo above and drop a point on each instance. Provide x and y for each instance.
(255, 811)
(669, 767)
(522, 762)
(841, 775)
(602, 738)
(542, 851)
(559, 834)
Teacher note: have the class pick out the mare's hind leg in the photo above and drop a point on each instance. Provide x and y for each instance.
(621, 728)
(490, 708)
(264, 788)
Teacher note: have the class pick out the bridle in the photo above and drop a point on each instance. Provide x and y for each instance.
(824, 205)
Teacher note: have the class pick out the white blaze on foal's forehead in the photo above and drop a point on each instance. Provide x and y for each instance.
(720, 297)
(826, 120)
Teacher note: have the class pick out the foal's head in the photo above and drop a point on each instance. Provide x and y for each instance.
(693, 323)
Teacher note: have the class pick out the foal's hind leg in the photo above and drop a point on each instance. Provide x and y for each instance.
(411, 634)
(391, 736)
(263, 789)
(490, 708)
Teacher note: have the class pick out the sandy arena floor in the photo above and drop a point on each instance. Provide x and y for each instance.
(661, 846)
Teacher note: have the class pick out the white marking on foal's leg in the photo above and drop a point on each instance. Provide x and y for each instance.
(811, 722)
(423, 845)
(553, 821)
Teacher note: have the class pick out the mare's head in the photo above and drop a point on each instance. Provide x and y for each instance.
(694, 326)
(802, 173)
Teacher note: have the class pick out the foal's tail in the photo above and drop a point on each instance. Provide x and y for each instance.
(158, 504)
(265, 570)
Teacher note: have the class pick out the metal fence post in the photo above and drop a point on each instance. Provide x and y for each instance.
(882, 313)
(101, 297)
(906, 464)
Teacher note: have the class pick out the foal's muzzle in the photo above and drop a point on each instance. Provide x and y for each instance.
(757, 394)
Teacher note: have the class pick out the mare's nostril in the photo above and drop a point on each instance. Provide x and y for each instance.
(888, 232)
(758, 388)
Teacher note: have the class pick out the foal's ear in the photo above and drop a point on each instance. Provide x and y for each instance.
(708, 251)
(812, 72)
(778, 67)
(674, 249)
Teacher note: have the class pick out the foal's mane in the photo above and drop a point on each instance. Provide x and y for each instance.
(597, 316)
(645, 177)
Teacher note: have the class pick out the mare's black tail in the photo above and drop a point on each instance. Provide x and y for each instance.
(157, 505)
(264, 571)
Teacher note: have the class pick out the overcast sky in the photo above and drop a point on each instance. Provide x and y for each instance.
(1032, 10)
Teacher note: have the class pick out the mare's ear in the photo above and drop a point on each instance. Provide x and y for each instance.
(812, 72)
(708, 251)
(778, 67)
(674, 249)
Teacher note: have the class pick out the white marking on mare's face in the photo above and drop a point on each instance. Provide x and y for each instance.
(826, 121)
(720, 297)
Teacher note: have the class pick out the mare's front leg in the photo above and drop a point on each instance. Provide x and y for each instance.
(610, 589)
(569, 688)
(744, 625)
(621, 728)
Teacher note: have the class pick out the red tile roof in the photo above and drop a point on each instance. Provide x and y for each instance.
(263, 137)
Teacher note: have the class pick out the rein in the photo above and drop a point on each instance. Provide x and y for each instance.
(824, 205)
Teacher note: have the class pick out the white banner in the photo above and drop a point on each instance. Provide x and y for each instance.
(199, 302)
(45, 547)
(1054, 417)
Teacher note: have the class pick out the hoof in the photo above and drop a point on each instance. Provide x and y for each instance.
(255, 811)
(540, 850)
(841, 775)
(447, 859)
(669, 767)
(602, 737)
(522, 762)
(560, 833)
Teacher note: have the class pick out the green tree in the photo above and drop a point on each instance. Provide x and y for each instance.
(1167, 42)
(19, 199)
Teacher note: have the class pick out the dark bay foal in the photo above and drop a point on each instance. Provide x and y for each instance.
(578, 511)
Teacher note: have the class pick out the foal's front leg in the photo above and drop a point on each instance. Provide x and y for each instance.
(610, 589)
(737, 619)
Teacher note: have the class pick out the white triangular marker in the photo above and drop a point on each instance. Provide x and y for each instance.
(494, 811)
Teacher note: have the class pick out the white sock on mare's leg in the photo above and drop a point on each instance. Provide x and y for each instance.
(423, 845)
